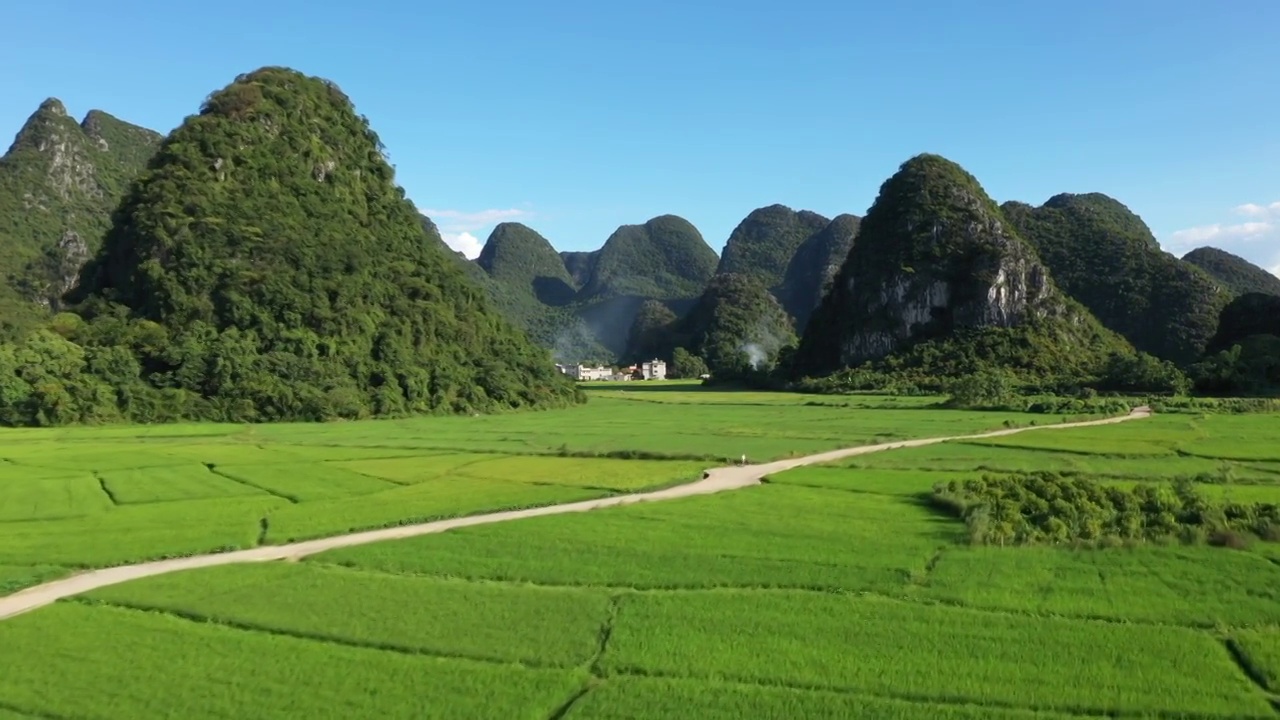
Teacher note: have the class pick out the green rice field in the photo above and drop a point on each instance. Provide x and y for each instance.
(829, 591)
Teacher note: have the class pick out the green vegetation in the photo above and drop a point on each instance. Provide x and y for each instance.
(1045, 507)
(530, 287)
(664, 258)
(1235, 274)
(1243, 357)
(736, 330)
(89, 497)
(1103, 255)
(813, 266)
(839, 590)
(59, 182)
(937, 283)
(314, 295)
(179, 658)
(766, 240)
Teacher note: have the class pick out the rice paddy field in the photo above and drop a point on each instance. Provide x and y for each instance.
(829, 591)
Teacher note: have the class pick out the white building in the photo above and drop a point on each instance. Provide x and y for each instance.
(653, 370)
(584, 372)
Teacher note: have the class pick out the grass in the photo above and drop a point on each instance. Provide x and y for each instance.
(113, 495)
(768, 537)
(47, 498)
(929, 653)
(17, 577)
(170, 483)
(629, 697)
(72, 660)
(530, 625)
(1260, 653)
(831, 591)
(1194, 586)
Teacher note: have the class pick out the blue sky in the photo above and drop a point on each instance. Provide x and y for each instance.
(576, 117)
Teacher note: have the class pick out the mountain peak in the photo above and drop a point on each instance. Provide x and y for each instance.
(934, 259)
(295, 246)
(766, 239)
(53, 106)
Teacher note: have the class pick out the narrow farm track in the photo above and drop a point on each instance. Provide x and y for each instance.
(713, 481)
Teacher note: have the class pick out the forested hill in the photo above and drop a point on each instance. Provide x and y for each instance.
(812, 267)
(267, 267)
(938, 280)
(764, 242)
(1236, 275)
(59, 182)
(665, 257)
(1105, 256)
(518, 257)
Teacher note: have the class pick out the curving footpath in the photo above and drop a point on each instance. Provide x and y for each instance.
(713, 481)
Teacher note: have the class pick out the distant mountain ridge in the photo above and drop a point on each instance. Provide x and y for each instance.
(1104, 255)
(1236, 275)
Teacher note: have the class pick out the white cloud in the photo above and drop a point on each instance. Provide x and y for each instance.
(461, 229)
(1256, 240)
(1256, 210)
(463, 242)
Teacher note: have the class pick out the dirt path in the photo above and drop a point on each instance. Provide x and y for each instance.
(713, 481)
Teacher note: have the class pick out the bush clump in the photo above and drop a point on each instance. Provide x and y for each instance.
(1052, 508)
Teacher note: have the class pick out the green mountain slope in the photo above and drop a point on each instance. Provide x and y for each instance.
(1234, 274)
(1104, 256)
(938, 280)
(518, 257)
(59, 183)
(664, 258)
(1243, 356)
(812, 267)
(766, 239)
(531, 287)
(579, 265)
(736, 327)
(267, 267)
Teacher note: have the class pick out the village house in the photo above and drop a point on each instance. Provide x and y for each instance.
(653, 370)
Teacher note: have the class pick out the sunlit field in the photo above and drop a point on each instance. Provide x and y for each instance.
(831, 591)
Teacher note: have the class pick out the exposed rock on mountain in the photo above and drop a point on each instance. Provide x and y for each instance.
(1103, 255)
(813, 266)
(936, 262)
(1234, 274)
(765, 241)
(276, 271)
(59, 183)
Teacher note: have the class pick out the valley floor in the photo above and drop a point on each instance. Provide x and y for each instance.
(827, 591)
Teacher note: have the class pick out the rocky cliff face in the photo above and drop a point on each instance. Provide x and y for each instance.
(934, 257)
(59, 183)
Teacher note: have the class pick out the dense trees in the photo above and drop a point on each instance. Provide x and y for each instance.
(765, 241)
(267, 267)
(1103, 255)
(1051, 508)
(1234, 274)
(938, 283)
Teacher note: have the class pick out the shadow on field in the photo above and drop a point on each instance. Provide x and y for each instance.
(944, 526)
